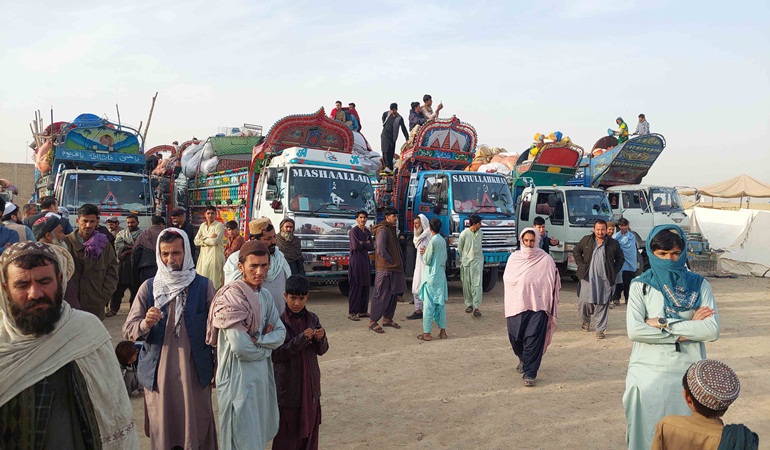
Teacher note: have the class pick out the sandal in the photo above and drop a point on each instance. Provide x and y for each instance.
(520, 368)
(376, 328)
(391, 324)
(425, 337)
(442, 334)
(110, 314)
(529, 382)
(353, 317)
(363, 314)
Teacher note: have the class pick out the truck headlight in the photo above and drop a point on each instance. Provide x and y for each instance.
(307, 243)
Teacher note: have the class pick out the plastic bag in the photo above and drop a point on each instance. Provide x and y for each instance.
(209, 165)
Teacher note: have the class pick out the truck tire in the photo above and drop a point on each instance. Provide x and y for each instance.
(489, 279)
(344, 286)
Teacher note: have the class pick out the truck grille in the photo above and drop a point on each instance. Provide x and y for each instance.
(497, 236)
(336, 246)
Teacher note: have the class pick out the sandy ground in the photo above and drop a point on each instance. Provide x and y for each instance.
(393, 391)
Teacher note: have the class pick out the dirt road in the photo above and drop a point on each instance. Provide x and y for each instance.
(394, 391)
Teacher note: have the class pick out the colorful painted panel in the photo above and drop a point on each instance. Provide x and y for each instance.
(555, 163)
(310, 130)
(101, 139)
(447, 144)
(627, 163)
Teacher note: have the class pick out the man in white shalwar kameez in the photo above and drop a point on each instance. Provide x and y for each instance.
(245, 327)
(210, 239)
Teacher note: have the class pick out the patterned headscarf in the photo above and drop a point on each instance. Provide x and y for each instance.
(172, 284)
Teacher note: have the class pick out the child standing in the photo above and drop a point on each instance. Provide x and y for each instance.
(710, 387)
(297, 374)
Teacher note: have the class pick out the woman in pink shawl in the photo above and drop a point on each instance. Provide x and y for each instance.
(532, 286)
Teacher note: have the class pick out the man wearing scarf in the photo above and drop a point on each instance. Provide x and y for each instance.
(143, 257)
(245, 327)
(531, 299)
(124, 243)
(96, 266)
(262, 230)
(671, 315)
(60, 386)
(291, 247)
(176, 366)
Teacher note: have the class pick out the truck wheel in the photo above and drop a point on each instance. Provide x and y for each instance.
(344, 286)
(489, 280)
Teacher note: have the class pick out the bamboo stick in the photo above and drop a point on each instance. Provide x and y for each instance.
(152, 108)
(117, 108)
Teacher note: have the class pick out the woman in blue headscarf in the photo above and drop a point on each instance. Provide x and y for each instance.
(671, 314)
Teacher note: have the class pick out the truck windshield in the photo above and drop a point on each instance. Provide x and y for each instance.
(329, 190)
(585, 207)
(666, 200)
(109, 192)
(485, 193)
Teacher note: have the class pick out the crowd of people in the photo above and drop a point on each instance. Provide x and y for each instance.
(213, 310)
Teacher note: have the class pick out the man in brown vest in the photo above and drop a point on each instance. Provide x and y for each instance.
(389, 281)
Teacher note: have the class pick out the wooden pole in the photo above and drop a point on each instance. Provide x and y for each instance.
(152, 108)
(117, 108)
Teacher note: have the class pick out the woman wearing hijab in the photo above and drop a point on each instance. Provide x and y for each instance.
(420, 240)
(532, 286)
(671, 314)
(623, 133)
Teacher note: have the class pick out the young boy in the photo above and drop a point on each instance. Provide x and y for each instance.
(127, 354)
(546, 242)
(234, 238)
(297, 375)
(710, 387)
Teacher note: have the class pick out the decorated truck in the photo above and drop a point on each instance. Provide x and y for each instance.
(92, 160)
(304, 169)
(619, 169)
(431, 180)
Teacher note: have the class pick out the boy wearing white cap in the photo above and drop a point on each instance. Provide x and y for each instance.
(710, 387)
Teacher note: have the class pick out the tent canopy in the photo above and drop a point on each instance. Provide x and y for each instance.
(740, 186)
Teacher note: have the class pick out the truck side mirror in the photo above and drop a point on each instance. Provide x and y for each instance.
(272, 176)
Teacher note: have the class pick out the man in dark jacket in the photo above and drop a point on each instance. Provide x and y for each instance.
(297, 374)
(389, 281)
(179, 220)
(599, 259)
(391, 123)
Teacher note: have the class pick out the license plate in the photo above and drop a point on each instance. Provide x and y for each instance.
(571, 264)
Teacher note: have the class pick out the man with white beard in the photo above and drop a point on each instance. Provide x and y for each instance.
(291, 247)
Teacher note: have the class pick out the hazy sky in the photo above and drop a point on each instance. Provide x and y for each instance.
(700, 71)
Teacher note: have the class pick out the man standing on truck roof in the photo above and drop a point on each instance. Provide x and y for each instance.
(427, 107)
(391, 123)
(471, 264)
(599, 258)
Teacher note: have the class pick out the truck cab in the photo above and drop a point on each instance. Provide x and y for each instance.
(646, 206)
(94, 161)
(452, 196)
(569, 213)
(322, 191)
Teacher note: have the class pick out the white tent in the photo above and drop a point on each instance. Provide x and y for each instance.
(742, 235)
